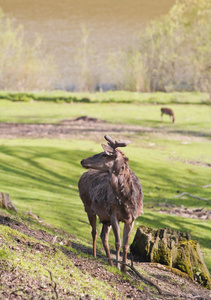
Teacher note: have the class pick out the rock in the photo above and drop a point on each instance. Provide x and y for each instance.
(172, 248)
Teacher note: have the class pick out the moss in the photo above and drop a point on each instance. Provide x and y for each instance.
(203, 279)
(189, 261)
(183, 263)
(162, 254)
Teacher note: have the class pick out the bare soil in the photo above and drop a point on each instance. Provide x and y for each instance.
(15, 281)
(186, 212)
(78, 128)
(85, 126)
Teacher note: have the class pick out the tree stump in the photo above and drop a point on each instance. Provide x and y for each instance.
(172, 248)
(6, 202)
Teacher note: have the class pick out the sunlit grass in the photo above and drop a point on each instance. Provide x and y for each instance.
(18, 252)
(42, 176)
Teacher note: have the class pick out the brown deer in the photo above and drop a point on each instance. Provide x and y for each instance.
(167, 111)
(111, 191)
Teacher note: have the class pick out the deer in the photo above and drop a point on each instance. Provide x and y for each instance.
(111, 191)
(167, 111)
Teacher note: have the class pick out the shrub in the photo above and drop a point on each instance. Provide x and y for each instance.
(23, 66)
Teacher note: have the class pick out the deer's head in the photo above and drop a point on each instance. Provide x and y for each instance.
(111, 160)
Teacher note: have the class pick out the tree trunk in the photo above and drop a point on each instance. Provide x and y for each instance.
(171, 248)
(6, 202)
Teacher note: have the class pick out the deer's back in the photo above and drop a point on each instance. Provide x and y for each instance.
(167, 111)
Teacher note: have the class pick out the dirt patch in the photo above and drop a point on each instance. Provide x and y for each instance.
(85, 126)
(79, 128)
(191, 162)
(198, 213)
(186, 212)
(16, 284)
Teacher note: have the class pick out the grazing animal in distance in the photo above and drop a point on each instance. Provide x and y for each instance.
(167, 111)
(111, 191)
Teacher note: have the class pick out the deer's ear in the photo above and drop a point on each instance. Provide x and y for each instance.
(126, 159)
(108, 150)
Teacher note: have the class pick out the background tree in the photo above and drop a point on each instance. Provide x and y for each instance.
(23, 66)
(173, 52)
(177, 48)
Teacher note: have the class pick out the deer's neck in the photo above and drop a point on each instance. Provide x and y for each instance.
(121, 182)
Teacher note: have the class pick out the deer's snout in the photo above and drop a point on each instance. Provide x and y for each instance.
(83, 164)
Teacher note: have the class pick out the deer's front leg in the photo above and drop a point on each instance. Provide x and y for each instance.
(116, 230)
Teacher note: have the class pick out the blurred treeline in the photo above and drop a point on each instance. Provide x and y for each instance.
(173, 53)
(23, 66)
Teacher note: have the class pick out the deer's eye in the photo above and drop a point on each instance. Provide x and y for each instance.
(104, 155)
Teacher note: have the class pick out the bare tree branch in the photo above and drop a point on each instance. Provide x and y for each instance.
(54, 284)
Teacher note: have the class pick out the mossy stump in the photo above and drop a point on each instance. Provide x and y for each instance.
(172, 248)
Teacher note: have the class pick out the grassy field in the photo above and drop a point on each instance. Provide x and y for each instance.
(42, 174)
(194, 118)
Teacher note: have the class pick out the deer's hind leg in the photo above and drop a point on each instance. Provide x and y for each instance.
(126, 234)
(104, 237)
(92, 221)
(116, 230)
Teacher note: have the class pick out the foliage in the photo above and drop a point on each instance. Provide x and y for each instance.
(179, 47)
(173, 52)
(23, 66)
(126, 70)
(84, 60)
(109, 97)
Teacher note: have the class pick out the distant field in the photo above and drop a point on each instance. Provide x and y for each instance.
(194, 118)
(42, 174)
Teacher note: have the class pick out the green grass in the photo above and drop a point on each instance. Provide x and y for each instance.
(19, 253)
(42, 174)
(109, 97)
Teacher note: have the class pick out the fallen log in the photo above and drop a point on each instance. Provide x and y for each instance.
(206, 186)
(188, 194)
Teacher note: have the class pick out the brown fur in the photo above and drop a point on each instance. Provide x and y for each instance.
(113, 192)
(169, 112)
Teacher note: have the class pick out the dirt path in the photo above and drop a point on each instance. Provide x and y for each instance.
(65, 130)
(85, 126)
